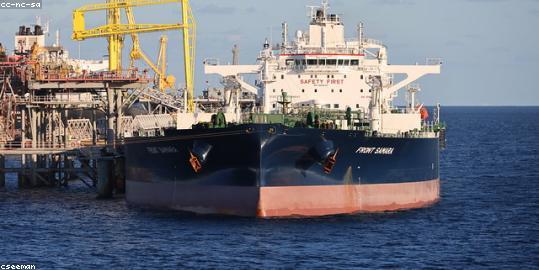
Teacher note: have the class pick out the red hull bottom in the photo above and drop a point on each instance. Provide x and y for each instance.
(291, 201)
(347, 199)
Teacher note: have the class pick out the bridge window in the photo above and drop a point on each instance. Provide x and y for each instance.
(341, 62)
(346, 62)
(289, 62)
(298, 62)
(331, 62)
(336, 106)
(321, 62)
(354, 62)
(311, 62)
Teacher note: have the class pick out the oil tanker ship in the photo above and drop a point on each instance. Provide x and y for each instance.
(316, 134)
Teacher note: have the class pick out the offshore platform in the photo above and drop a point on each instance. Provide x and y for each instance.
(61, 118)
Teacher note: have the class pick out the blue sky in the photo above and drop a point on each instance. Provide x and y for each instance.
(490, 47)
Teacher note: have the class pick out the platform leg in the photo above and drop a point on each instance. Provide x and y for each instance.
(105, 182)
(2, 173)
(119, 170)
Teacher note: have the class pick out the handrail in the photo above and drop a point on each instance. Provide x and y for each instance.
(434, 61)
(373, 42)
(66, 75)
(63, 98)
(351, 51)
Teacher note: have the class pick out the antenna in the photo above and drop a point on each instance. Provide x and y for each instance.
(235, 55)
(312, 14)
(44, 26)
(271, 36)
(360, 36)
(285, 35)
(57, 41)
(325, 5)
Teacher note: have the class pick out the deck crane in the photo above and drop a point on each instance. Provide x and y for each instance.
(115, 31)
(164, 81)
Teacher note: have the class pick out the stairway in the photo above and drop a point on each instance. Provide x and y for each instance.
(4, 136)
(159, 97)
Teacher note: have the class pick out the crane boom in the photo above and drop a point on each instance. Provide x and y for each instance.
(115, 31)
(163, 81)
(124, 29)
(162, 59)
(123, 4)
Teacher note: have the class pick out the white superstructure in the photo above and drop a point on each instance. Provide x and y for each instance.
(321, 68)
(32, 39)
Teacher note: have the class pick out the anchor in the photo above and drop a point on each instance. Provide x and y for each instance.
(330, 162)
(195, 163)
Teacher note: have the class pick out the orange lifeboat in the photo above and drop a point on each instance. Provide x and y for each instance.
(424, 113)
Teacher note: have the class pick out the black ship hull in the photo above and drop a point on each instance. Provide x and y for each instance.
(274, 171)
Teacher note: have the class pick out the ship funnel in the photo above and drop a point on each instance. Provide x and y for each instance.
(320, 14)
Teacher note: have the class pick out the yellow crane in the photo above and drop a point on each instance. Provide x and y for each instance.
(115, 31)
(164, 81)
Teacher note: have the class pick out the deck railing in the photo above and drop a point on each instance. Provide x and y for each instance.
(67, 75)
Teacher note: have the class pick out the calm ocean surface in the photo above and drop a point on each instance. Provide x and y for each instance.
(488, 218)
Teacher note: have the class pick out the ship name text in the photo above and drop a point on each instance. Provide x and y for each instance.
(161, 150)
(375, 150)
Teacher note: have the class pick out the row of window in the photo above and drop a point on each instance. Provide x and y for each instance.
(315, 76)
(322, 62)
(316, 90)
(328, 106)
